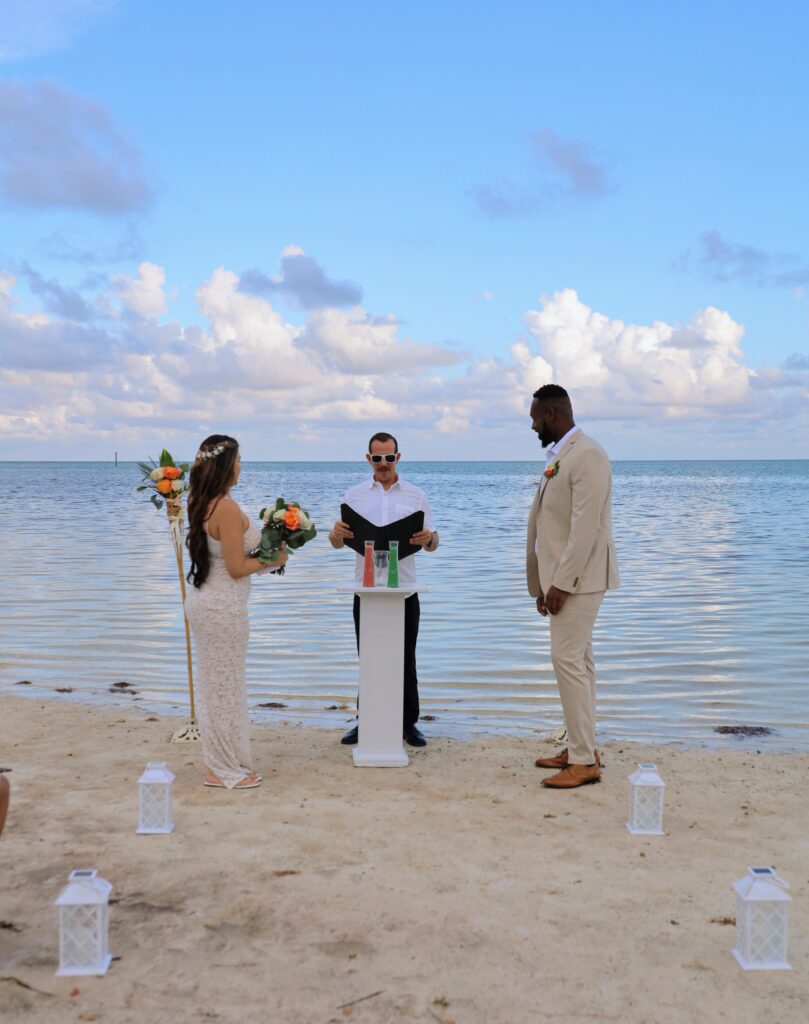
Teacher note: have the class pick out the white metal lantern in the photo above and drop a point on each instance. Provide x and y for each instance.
(84, 924)
(761, 921)
(155, 799)
(646, 801)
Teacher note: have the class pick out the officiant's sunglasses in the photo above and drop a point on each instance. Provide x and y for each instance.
(378, 458)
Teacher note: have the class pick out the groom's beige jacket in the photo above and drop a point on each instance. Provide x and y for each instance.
(570, 525)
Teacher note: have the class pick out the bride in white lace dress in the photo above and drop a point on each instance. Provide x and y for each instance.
(219, 537)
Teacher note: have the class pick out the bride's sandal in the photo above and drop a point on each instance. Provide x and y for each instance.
(249, 782)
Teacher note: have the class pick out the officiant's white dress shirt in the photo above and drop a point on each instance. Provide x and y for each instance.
(382, 507)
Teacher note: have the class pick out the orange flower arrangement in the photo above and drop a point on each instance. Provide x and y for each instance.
(292, 518)
(165, 479)
(287, 524)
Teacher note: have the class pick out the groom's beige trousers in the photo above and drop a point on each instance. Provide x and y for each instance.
(572, 657)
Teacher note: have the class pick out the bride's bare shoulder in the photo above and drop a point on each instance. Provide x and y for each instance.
(223, 508)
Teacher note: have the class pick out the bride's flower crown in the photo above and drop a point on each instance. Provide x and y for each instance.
(211, 453)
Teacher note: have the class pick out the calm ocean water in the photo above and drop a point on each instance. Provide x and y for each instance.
(709, 629)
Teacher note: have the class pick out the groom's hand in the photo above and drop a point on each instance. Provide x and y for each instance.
(555, 599)
(422, 538)
(542, 608)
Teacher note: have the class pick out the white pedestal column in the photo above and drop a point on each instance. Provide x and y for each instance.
(381, 691)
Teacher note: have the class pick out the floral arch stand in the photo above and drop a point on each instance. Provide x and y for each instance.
(167, 482)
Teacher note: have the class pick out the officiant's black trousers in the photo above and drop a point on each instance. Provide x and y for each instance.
(412, 613)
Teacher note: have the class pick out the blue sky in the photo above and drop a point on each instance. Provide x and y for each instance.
(303, 223)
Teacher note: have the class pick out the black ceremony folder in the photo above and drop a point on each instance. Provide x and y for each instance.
(402, 530)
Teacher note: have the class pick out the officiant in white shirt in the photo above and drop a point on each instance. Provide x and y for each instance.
(382, 500)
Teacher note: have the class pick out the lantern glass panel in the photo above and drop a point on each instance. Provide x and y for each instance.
(81, 936)
(155, 810)
(766, 933)
(648, 811)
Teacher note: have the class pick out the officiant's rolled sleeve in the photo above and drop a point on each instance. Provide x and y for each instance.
(590, 486)
(428, 515)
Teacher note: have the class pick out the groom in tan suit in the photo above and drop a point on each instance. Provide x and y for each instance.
(570, 563)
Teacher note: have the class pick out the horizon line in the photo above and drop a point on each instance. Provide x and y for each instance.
(134, 462)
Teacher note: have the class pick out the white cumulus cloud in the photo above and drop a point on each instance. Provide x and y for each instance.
(624, 370)
(142, 293)
(356, 342)
(145, 378)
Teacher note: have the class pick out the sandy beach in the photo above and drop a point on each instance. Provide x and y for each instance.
(454, 890)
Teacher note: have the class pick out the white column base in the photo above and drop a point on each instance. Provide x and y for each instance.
(381, 691)
(362, 759)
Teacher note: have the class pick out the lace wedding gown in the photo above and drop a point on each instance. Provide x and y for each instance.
(217, 613)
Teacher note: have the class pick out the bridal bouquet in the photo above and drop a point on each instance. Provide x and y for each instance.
(165, 479)
(285, 522)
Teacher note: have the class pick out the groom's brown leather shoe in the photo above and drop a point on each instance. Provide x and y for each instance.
(560, 761)
(574, 775)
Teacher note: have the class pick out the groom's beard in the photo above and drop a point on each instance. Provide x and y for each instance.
(545, 437)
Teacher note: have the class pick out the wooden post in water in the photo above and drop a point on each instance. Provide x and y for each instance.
(116, 460)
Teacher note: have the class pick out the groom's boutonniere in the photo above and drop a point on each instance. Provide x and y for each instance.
(552, 470)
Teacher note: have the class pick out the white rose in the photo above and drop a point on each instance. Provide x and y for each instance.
(306, 522)
(157, 474)
(279, 515)
(176, 486)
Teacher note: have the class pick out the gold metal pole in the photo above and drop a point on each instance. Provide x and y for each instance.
(190, 732)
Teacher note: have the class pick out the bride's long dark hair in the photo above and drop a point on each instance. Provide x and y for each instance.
(210, 477)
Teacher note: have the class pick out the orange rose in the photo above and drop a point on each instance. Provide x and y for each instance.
(292, 518)
(164, 486)
(172, 473)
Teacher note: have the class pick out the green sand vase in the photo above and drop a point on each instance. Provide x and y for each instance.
(393, 564)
